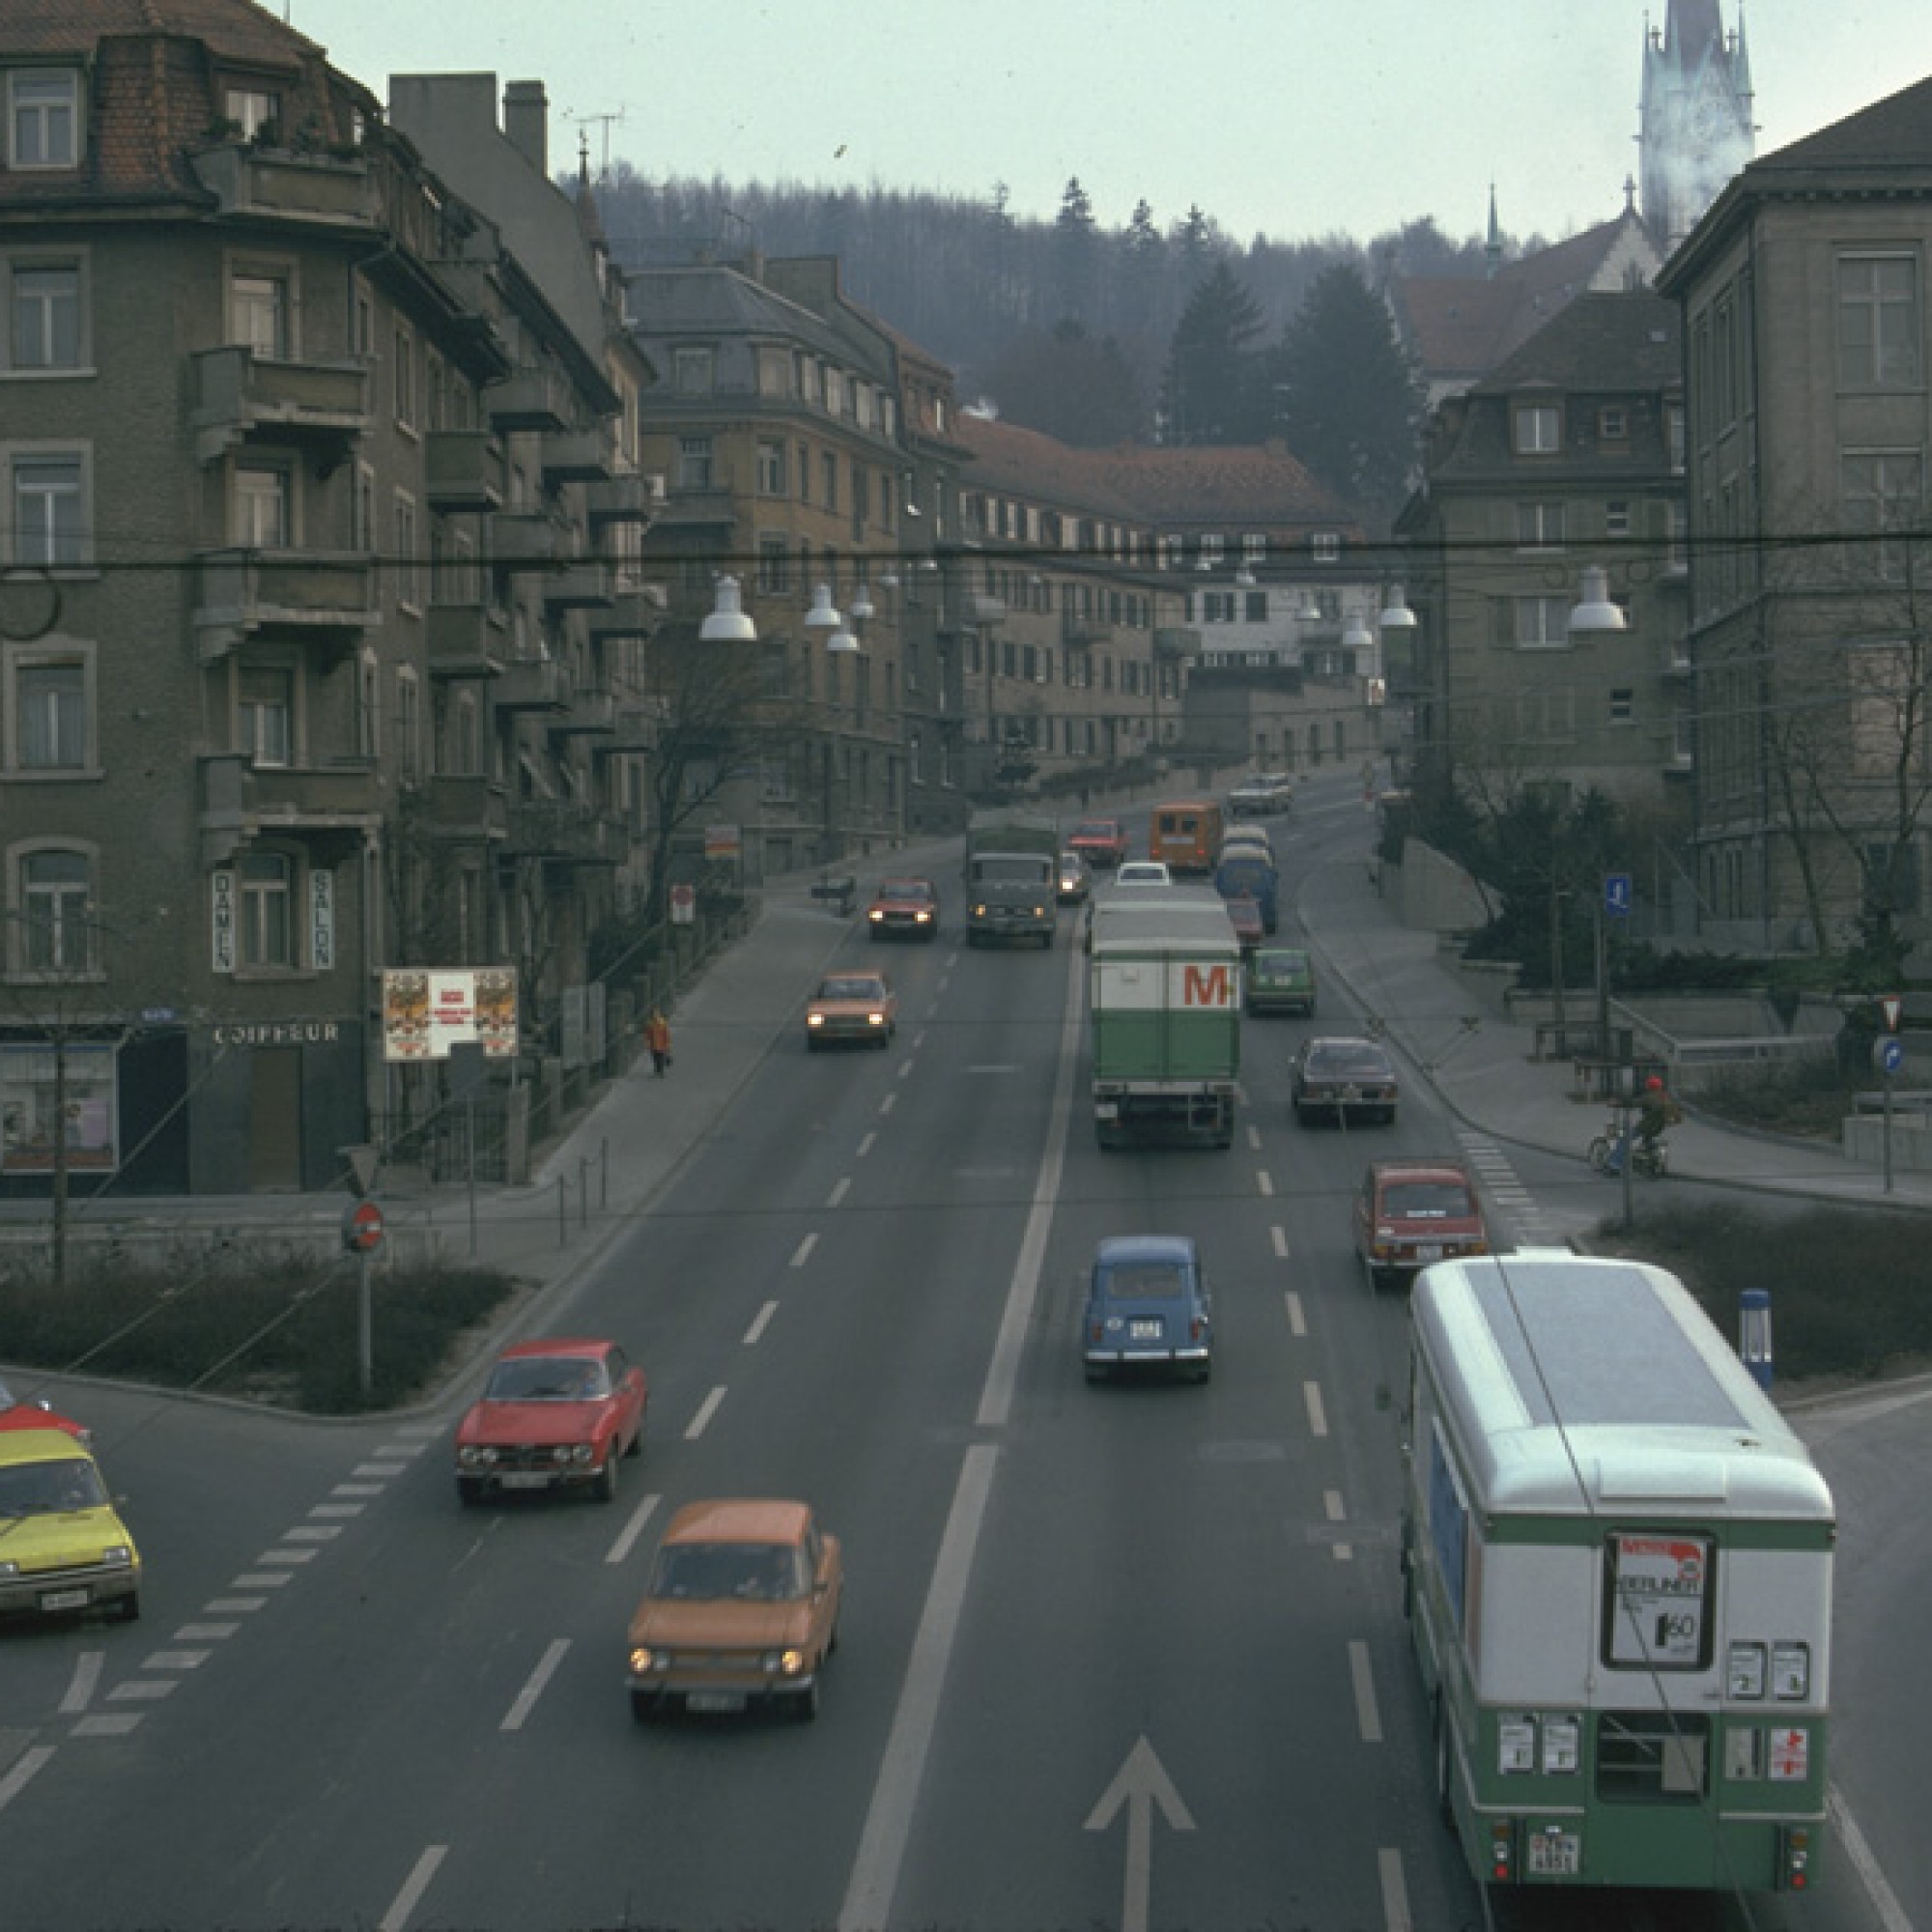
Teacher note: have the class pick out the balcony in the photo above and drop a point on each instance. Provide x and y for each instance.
(280, 184)
(1174, 640)
(985, 610)
(1081, 634)
(562, 832)
(583, 584)
(576, 456)
(462, 469)
(537, 398)
(242, 801)
(692, 509)
(465, 641)
(527, 540)
(238, 392)
(630, 613)
(531, 684)
(632, 497)
(588, 714)
(326, 597)
(464, 810)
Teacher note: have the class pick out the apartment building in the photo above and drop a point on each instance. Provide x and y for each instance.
(296, 459)
(1802, 293)
(1567, 459)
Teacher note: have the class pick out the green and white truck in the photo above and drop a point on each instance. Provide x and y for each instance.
(1164, 1003)
(1011, 859)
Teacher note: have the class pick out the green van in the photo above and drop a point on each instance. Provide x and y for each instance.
(1281, 980)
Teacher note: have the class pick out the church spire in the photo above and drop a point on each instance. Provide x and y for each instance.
(1492, 247)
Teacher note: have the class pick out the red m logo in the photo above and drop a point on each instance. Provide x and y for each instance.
(1213, 987)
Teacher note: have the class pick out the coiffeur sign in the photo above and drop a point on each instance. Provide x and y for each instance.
(425, 1013)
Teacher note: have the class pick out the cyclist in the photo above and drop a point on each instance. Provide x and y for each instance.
(1656, 1111)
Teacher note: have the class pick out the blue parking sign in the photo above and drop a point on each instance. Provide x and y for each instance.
(1617, 894)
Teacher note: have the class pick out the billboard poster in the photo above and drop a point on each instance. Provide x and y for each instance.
(1660, 1584)
(426, 1011)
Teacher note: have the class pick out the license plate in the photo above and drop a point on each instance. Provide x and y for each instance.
(1554, 1855)
(63, 1600)
(1428, 1251)
(519, 1480)
(714, 1700)
(1145, 1331)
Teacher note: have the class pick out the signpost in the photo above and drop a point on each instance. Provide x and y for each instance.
(1888, 1057)
(362, 1235)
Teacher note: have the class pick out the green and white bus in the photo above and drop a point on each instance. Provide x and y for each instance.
(1617, 1568)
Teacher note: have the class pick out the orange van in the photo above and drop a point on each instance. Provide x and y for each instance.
(1186, 835)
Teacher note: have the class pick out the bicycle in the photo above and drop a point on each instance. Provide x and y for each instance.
(1650, 1159)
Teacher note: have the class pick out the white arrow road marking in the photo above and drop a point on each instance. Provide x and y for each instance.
(1140, 1784)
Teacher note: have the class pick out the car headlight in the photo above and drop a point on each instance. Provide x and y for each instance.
(875, 1019)
(645, 1659)
(783, 1663)
(921, 917)
(475, 1455)
(117, 1557)
(10, 1569)
(815, 1019)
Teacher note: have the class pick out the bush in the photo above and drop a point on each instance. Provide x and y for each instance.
(1805, 1098)
(281, 1329)
(1847, 1284)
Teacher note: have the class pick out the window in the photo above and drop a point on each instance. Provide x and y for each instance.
(48, 509)
(771, 469)
(1613, 424)
(405, 374)
(1673, 436)
(56, 889)
(1541, 623)
(774, 566)
(1325, 546)
(1623, 706)
(1218, 606)
(261, 519)
(1257, 607)
(264, 714)
(408, 590)
(1878, 322)
(252, 108)
(828, 469)
(774, 372)
(408, 725)
(693, 371)
(1210, 557)
(258, 315)
(44, 315)
(265, 887)
(44, 118)
(1254, 547)
(1539, 525)
(48, 707)
(1881, 492)
(1535, 429)
(1618, 519)
(694, 462)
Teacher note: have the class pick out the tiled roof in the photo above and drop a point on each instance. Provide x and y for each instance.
(1601, 343)
(238, 29)
(1025, 463)
(1894, 132)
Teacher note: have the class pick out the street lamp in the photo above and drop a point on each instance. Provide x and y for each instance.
(730, 623)
(1595, 615)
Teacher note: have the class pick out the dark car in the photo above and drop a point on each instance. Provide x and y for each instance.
(904, 909)
(1074, 883)
(1244, 914)
(1281, 980)
(1345, 1078)
(1412, 1213)
(1148, 1306)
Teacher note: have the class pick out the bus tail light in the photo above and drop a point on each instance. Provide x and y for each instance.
(1794, 1858)
(1502, 1851)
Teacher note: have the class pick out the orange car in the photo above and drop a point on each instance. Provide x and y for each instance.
(742, 1608)
(1412, 1213)
(850, 1006)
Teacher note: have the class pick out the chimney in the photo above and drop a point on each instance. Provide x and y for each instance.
(526, 123)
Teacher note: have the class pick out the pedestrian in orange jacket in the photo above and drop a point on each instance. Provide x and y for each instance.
(657, 1037)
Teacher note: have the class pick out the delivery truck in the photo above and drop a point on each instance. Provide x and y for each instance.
(1012, 864)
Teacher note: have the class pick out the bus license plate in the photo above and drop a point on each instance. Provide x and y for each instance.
(1555, 1855)
(63, 1600)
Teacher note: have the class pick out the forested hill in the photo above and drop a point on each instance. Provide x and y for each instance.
(998, 298)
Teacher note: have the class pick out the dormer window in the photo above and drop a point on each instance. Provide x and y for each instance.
(1535, 429)
(1613, 425)
(44, 118)
(251, 110)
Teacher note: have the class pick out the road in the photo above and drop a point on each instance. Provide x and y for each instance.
(1125, 1655)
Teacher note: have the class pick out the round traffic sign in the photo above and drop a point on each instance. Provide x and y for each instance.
(362, 1227)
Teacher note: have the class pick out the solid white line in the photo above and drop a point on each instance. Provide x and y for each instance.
(839, 1191)
(706, 1409)
(875, 1871)
(1893, 1916)
(16, 1780)
(1297, 1322)
(86, 1679)
(1367, 1715)
(403, 1908)
(632, 1530)
(1395, 1890)
(528, 1697)
(1318, 1416)
(801, 1254)
(760, 1323)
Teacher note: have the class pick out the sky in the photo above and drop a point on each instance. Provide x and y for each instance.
(1297, 118)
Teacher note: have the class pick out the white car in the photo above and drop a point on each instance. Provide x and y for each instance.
(1143, 873)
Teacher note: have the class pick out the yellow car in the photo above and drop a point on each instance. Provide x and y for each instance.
(63, 1550)
(852, 1008)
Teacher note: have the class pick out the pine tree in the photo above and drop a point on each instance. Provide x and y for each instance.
(1212, 389)
(1349, 399)
(1076, 253)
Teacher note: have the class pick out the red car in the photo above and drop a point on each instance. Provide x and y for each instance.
(904, 909)
(1245, 916)
(1412, 1213)
(18, 1414)
(1101, 842)
(556, 1414)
